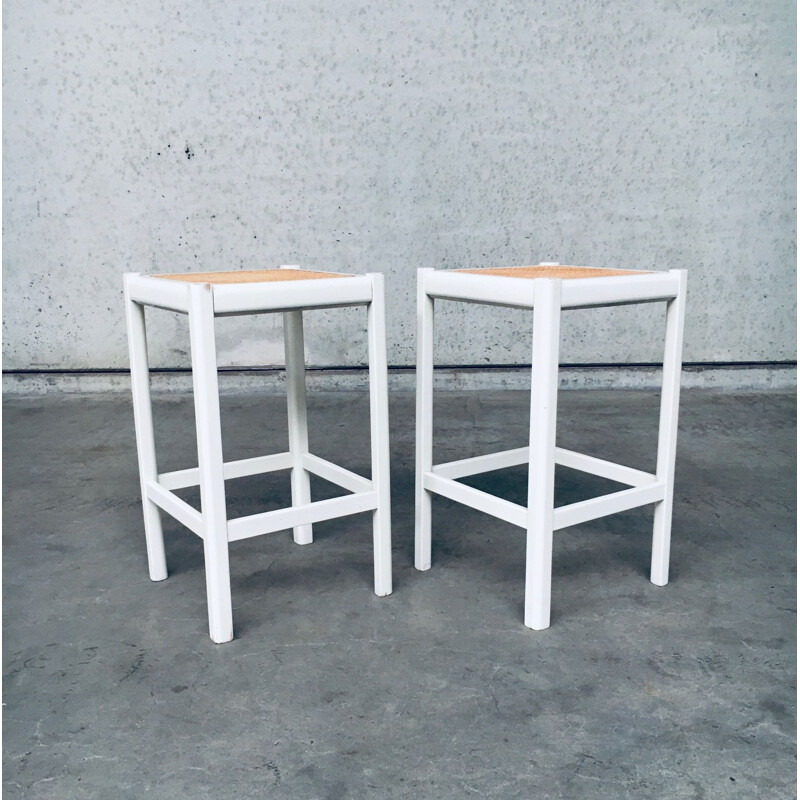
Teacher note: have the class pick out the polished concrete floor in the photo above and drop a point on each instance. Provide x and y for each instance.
(112, 688)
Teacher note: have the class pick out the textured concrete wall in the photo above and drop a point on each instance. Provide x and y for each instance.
(172, 136)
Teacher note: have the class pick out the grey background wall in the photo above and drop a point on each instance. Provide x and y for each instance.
(169, 136)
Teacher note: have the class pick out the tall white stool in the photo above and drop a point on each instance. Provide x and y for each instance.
(204, 296)
(547, 289)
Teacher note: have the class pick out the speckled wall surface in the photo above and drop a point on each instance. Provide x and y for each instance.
(174, 136)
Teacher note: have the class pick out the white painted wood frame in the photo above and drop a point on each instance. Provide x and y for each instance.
(542, 452)
(547, 297)
(424, 452)
(379, 436)
(668, 432)
(202, 303)
(145, 437)
(210, 461)
(297, 415)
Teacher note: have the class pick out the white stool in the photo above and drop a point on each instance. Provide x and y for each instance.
(204, 296)
(547, 289)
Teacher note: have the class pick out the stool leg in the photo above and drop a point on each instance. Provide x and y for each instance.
(145, 438)
(298, 421)
(424, 460)
(541, 467)
(209, 459)
(379, 437)
(668, 433)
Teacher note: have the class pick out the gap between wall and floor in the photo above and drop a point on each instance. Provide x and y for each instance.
(735, 377)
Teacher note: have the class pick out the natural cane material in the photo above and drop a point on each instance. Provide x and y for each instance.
(253, 276)
(552, 271)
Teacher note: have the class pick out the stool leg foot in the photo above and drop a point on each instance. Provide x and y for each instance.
(210, 461)
(298, 418)
(379, 438)
(424, 458)
(541, 468)
(145, 439)
(422, 530)
(668, 434)
(154, 537)
(662, 535)
(218, 588)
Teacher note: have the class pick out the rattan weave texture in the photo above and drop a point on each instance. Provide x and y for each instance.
(565, 273)
(253, 276)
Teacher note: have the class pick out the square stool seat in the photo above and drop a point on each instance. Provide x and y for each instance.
(547, 289)
(552, 271)
(254, 276)
(204, 296)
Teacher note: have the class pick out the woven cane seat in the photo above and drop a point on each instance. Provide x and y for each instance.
(552, 271)
(253, 276)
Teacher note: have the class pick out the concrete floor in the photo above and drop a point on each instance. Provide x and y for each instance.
(113, 689)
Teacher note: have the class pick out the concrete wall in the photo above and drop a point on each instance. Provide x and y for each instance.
(174, 136)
